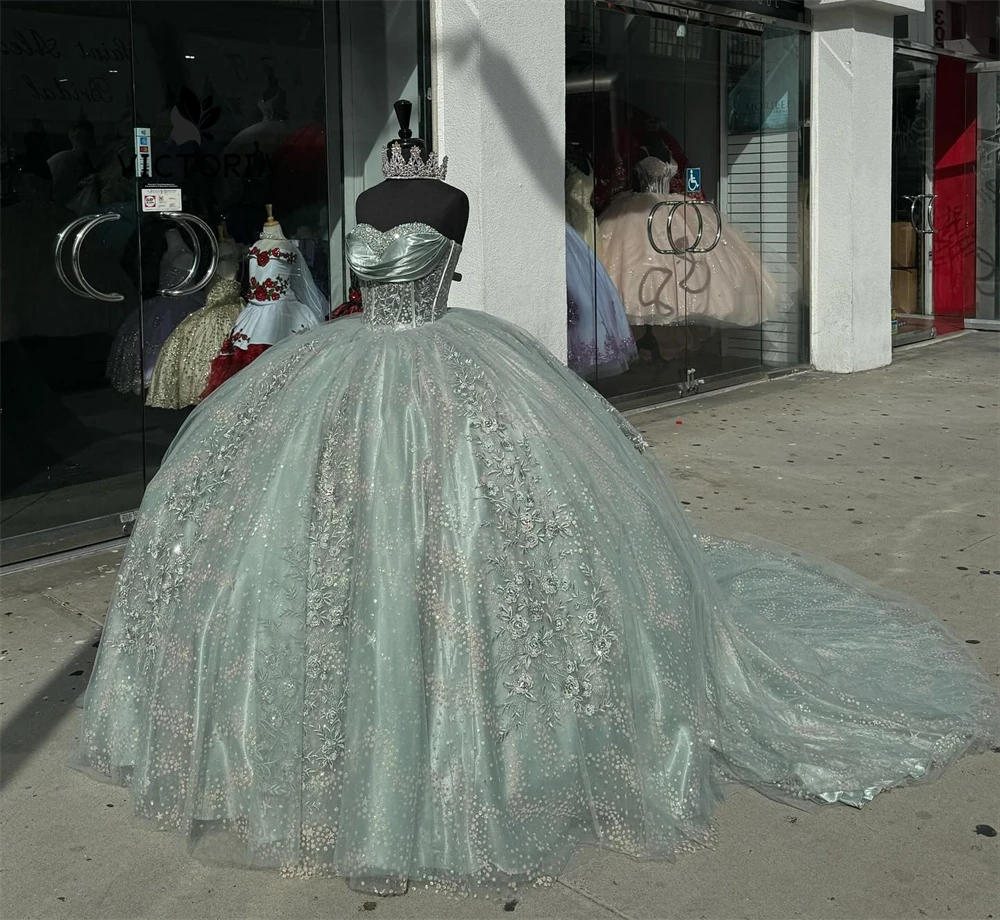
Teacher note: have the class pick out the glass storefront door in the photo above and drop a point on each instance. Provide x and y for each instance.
(686, 151)
(139, 139)
(72, 447)
(913, 210)
(988, 198)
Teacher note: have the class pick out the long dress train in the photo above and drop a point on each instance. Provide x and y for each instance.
(409, 602)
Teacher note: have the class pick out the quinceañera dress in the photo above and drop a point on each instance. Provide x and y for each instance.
(282, 300)
(182, 368)
(143, 333)
(408, 602)
(724, 286)
(598, 339)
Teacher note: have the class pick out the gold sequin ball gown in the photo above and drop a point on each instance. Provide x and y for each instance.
(408, 602)
(182, 367)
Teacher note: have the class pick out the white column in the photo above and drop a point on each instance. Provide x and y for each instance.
(499, 114)
(851, 138)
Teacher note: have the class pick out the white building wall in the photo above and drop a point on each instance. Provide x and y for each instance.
(499, 114)
(850, 188)
(851, 136)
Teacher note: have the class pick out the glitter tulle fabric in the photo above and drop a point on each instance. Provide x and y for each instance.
(598, 339)
(182, 367)
(724, 287)
(408, 602)
(141, 336)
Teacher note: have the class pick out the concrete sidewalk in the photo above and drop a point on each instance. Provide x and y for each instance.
(893, 473)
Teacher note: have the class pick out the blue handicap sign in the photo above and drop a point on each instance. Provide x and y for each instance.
(692, 179)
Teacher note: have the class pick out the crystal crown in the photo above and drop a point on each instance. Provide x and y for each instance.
(416, 167)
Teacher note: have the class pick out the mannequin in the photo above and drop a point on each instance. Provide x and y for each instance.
(74, 179)
(254, 148)
(283, 300)
(271, 131)
(678, 298)
(424, 200)
(407, 602)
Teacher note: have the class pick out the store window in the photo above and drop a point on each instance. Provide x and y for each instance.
(144, 139)
(686, 198)
(988, 198)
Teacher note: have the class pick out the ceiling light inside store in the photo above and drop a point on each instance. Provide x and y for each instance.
(682, 30)
(188, 57)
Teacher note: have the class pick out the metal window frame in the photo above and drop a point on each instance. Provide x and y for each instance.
(699, 12)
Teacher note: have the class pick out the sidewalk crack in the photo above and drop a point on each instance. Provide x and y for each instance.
(580, 890)
(66, 605)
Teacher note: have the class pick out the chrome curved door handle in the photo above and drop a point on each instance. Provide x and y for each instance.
(191, 223)
(649, 226)
(184, 287)
(718, 226)
(929, 215)
(926, 205)
(61, 239)
(93, 220)
(675, 250)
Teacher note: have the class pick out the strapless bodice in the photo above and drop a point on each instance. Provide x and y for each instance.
(404, 273)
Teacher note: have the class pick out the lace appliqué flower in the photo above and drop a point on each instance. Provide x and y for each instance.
(555, 628)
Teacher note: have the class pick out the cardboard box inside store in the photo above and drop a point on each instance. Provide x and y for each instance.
(904, 245)
(905, 290)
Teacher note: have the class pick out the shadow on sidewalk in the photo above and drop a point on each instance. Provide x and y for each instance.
(44, 709)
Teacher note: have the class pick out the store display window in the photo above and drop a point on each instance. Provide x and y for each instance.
(686, 198)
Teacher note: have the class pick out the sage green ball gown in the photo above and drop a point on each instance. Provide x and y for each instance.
(408, 603)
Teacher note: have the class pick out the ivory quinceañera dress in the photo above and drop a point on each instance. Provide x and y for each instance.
(723, 287)
(408, 602)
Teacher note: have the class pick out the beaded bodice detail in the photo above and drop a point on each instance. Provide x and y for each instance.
(404, 273)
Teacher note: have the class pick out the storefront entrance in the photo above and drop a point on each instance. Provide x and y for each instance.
(944, 197)
(687, 166)
(136, 137)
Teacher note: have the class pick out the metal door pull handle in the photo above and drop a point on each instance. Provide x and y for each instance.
(78, 229)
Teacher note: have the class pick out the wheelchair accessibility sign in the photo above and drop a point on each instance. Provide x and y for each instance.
(692, 179)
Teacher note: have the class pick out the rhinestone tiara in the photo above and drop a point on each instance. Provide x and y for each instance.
(416, 167)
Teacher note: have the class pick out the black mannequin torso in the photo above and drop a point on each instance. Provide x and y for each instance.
(425, 201)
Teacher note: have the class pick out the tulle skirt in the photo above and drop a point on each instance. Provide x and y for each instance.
(725, 287)
(229, 362)
(184, 362)
(418, 607)
(599, 341)
(141, 336)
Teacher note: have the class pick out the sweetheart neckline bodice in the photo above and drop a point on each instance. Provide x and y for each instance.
(404, 273)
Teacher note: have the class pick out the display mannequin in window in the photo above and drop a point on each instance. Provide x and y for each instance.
(282, 300)
(184, 362)
(724, 286)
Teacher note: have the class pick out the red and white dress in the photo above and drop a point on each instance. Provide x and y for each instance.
(282, 300)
